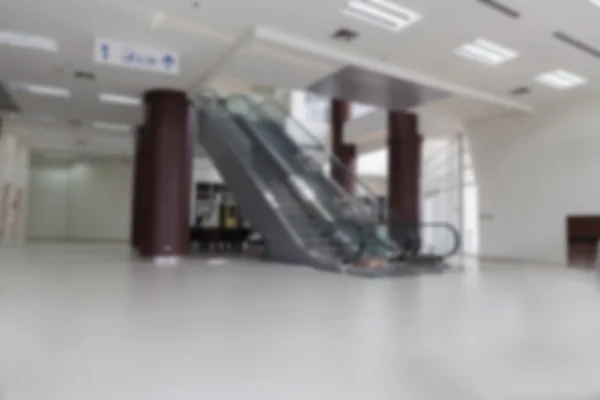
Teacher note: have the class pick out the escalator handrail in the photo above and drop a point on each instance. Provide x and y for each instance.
(197, 105)
(357, 206)
(356, 203)
(414, 231)
(316, 143)
(312, 203)
(272, 153)
(455, 235)
(319, 144)
(392, 245)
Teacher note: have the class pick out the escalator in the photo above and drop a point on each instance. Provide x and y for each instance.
(282, 183)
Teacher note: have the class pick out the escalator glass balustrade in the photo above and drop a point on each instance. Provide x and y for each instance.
(296, 173)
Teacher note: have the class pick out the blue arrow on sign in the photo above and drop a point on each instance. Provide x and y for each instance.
(105, 49)
(169, 61)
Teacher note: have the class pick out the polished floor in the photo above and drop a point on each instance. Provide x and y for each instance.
(83, 322)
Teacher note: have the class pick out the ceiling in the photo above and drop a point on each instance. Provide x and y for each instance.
(208, 36)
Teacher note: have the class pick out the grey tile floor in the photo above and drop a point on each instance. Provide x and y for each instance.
(84, 322)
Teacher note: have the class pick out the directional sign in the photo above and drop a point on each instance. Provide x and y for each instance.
(127, 55)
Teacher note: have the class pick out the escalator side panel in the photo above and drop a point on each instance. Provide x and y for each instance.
(235, 161)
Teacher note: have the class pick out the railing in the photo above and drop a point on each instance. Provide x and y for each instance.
(331, 195)
(364, 205)
(316, 153)
(346, 232)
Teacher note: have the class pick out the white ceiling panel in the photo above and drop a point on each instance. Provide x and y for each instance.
(202, 31)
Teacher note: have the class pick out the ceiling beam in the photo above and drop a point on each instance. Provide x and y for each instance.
(300, 45)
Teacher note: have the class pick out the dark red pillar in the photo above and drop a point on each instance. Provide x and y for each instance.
(137, 190)
(404, 166)
(343, 172)
(163, 170)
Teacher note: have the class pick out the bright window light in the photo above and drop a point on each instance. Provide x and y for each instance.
(111, 126)
(373, 163)
(595, 2)
(119, 99)
(383, 13)
(560, 79)
(18, 39)
(486, 52)
(43, 90)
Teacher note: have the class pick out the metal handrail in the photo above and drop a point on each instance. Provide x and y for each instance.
(319, 144)
(409, 249)
(316, 205)
(357, 207)
(260, 106)
(214, 103)
(414, 239)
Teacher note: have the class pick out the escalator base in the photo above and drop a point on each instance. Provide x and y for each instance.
(405, 269)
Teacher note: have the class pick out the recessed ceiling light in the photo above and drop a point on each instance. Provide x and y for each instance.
(560, 79)
(43, 90)
(595, 2)
(486, 52)
(119, 99)
(111, 126)
(18, 39)
(383, 13)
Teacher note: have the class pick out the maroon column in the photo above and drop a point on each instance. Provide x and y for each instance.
(344, 174)
(404, 166)
(163, 176)
(137, 190)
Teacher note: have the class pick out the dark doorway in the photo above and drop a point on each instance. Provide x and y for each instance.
(583, 235)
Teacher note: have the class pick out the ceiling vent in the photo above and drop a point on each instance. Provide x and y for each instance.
(344, 35)
(84, 75)
(501, 8)
(578, 44)
(7, 101)
(520, 91)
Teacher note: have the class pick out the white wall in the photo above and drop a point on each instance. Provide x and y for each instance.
(48, 202)
(100, 201)
(89, 201)
(533, 171)
(14, 177)
(80, 200)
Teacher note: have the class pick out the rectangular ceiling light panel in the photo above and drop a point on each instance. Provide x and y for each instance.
(18, 39)
(119, 99)
(383, 13)
(560, 79)
(43, 90)
(486, 52)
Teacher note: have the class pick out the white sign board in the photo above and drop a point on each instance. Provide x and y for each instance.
(127, 55)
